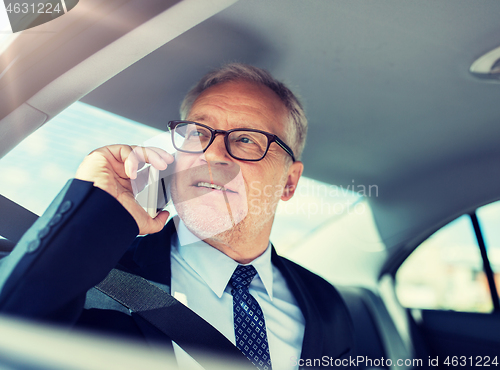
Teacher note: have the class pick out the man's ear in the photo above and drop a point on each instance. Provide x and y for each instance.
(294, 173)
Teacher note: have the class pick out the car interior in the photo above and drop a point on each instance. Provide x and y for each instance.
(403, 104)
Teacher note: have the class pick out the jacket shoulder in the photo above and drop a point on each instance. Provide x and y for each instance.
(315, 283)
(329, 328)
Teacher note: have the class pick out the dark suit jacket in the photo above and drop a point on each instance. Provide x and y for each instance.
(86, 232)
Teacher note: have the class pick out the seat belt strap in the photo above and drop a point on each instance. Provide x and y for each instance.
(186, 328)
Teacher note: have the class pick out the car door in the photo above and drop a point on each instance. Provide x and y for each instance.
(449, 285)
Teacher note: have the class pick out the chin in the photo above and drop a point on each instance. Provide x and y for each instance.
(208, 215)
(207, 221)
(204, 222)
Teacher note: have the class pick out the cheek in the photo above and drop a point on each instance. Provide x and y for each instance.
(180, 180)
(264, 180)
(183, 165)
(183, 161)
(255, 180)
(269, 189)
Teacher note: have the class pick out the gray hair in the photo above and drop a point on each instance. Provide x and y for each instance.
(296, 133)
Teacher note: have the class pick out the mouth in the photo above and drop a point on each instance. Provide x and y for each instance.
(208, 185)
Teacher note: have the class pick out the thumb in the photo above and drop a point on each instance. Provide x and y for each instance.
(156, 224)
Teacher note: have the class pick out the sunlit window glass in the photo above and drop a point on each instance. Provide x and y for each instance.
(446, 272)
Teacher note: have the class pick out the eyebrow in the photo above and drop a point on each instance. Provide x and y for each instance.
(203, 118)
(199, 118)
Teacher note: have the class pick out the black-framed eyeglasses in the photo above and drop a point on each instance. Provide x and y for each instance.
(241, 143)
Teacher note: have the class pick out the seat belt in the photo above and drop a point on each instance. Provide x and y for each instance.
(186, 328)
(14, 219)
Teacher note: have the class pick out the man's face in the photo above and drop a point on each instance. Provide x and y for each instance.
(252, 189)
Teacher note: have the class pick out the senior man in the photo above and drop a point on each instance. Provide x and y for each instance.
(241, 134)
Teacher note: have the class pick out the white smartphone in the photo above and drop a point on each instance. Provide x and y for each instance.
(152, 201)
(154, 197)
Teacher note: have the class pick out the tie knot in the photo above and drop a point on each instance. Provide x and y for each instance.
(243, 276)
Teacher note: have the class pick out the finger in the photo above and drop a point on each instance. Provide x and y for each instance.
(156, 224)
(117, 156)
(144, 154)
(161, 218)
(130, 161)
(167, 157)
(157, 157)
(140, 155)
(134, 158)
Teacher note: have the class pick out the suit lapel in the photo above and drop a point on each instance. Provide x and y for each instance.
(312, 345)
(149, 257)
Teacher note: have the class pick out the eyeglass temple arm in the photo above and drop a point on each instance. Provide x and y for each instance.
(284, 147)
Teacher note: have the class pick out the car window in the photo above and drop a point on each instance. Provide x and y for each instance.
(446, 272)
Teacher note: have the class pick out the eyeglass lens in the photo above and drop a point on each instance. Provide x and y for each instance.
(243, 144)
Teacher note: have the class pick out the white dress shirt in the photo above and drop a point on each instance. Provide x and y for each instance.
(200, 277)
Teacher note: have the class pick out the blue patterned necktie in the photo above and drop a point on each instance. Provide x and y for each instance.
(249, 323)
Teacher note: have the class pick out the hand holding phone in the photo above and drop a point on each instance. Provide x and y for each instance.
(114, 169)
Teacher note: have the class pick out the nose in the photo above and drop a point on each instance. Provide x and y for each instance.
(217, 153)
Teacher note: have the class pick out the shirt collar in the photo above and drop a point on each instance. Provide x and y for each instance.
(196, 253)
